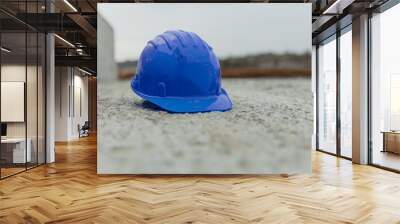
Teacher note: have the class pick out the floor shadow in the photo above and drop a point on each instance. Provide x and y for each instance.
(147, 105)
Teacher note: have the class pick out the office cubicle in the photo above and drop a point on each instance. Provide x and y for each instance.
(22, 93)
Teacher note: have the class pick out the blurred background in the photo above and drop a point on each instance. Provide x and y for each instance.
(249, 41)
(259, 65)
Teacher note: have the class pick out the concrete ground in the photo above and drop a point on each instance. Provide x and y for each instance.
(267, 131)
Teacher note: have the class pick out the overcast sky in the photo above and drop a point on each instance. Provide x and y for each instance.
(231, 29)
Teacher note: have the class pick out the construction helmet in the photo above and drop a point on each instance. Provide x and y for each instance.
(179, 72)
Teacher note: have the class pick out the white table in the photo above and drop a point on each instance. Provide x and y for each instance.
(19, 155)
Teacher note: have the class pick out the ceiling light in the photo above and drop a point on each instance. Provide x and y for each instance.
(70, 5)
(84, 71)
(5, 50)
(65, 41)
(79, 51)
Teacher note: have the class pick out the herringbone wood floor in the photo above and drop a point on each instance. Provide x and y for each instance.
(70, 191)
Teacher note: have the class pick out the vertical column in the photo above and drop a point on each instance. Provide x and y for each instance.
(360, 90)
(50, 98)
(338, 91)
(50, 92)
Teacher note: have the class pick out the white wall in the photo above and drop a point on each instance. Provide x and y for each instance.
(62, 81)
(34, 125)
(13, 72)
(79, 117)
(13, 101)
(17, 73)
(69, 82)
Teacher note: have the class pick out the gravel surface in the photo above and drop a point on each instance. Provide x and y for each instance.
(267, 131)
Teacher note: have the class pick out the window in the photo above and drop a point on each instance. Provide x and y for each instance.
(327, 96)
(346, 93)
(385, 89)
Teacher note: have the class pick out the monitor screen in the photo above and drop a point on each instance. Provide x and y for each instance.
(3, 129)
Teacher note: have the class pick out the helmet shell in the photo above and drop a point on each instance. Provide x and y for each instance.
(178, 64)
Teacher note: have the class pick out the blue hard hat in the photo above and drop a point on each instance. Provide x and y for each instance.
(179, 72)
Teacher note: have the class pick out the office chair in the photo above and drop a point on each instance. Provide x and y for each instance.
(84, 130)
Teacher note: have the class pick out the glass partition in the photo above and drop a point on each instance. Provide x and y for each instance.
(41, 97)
(22, 101)
(31, 76)
(32, 95)
(327, 95)
(385, 89)
(346, 93)
(14, 153)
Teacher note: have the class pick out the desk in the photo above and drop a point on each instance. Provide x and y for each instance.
(17, 150)
(391, 141)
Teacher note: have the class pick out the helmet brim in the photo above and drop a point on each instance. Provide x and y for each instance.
(190, 104)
